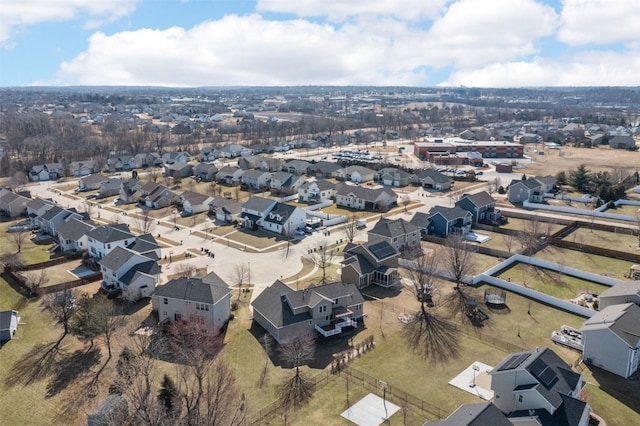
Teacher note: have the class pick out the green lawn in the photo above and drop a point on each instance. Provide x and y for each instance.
(30, 253)
(586, 262)
(550, 282)
(603, 239)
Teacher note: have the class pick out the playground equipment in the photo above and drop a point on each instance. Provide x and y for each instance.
(495, 296)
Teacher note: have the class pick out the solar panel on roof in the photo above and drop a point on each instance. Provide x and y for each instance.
(537, 367)
(547, 377)
(381, 250)
(514, 362)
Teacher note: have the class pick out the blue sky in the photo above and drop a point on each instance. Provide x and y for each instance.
(479, 43)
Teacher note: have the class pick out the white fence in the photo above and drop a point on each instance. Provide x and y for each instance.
(572, 210)
(288, 198)
(318, 206)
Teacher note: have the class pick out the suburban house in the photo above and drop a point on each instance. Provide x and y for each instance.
(91, 182)
(249, 162)
(83, 168)
(281, 146)
(421, 220)
(622, 142)
(255, 210)
(623, 292)
(317, 191)
(262, 148)
(538, 386)
(284, 219)
(432, 179)
(12, 204)
(397, 232)
(205, 172)
(193, 203)
(531, 190)
(233, 150)
(611, 339)
(157, 196)
(548, 183)
(8, 325)
(391, 176)
(176, 157)
(229, 175)
(269, 164)
(150, 159)
(131, 191)
(207, 154)
(286, 183)
(178, 170)
(255, 179)
(48, 171)
(361, 198)
(72, 234)
(109, 188)
(52, 219)
(447, 220)
(36, 208)
(121, 162)
(355, 174)
(134, 274)
(102, 239)
(205, 301)
(323, 169)
(297, 167)
(287, 314)
(370, 263)
(482, 207)
(479, 414)
(225, 210)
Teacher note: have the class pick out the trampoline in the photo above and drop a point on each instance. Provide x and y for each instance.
(495, 296)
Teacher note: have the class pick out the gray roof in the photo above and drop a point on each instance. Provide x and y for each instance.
(272, 303)
(94, 178)
(624, 288)
(529, 183)
(421, 220)
(116, 258)
(324, 167)
(110, 233)
(194, 198)
(258, 204)
(74, 229)
(51, 213)
(623, 320)
(435, 175)
(480, 199)
(280, 209)
(149, 268)
(144, 244)
(364, 193)
(393, 228)
(254, 174)
(480, 414)
(449, 213)
(194, 290)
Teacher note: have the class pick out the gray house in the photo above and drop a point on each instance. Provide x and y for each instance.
(287, 314)
(624, 292)
(398, 233)
(8, 325)
(482, 207)
(370, 263)
(449, 220)
(432, 179)
(531, 190)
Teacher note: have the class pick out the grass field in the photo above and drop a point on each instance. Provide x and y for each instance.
(604, 239)
(550, 282)
(587, 262)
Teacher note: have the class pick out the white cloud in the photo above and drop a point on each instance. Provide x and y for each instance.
(587, 68)
(479, 32)
(248, 50)
(600, 21)
(16, 15)
(339, 10)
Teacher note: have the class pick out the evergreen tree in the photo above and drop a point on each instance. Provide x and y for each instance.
(168, 394)
(579, 178)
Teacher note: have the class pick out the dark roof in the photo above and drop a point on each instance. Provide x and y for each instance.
(51, 213)
(433, 175)
(274, 303)
(258, 204)
(150, 268)
(194, 290)
(421, 220)
(393, 228)
(110, 233)
(480, 414)
(324, 167)
(553, 375)
(284, 211)
(5, 319)
(529, 183)
(74, 229)
(364, 193)
(116, 258)
(144, 244)
(480, 199)
(623, 320)
(379, 250)
(449, 213)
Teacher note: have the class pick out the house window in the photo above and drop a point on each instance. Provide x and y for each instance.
(108, 246)
(520, 398)
(166, 301)
(322, 308)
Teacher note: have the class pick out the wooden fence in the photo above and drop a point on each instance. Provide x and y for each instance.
(18, 280)
(45, 264)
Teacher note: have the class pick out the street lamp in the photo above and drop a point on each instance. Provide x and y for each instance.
(383, 385)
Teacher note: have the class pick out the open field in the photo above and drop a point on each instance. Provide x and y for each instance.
(30, 253)
(550, 282)
(604, 239)
(55, 274)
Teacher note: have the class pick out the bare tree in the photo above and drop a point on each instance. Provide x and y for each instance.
(459, 258)
(207, 387)
(530, 236)
(297, 390)
(186, 270)
(509, 241)
(18, 181)
(322, 256)
(144, 222)
(153, 174)
(287, 233)
(19, 239)
(62, 305)
(37, 280)
(351, 228)
(240, 276)
(406, 200)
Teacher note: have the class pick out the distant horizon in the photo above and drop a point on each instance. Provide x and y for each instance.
(283, 43)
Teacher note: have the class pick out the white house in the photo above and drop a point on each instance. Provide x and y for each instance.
(255, 210)
(193, 203)
(255, 179)
(317, 191)
(72, 234)
(205, 301)
(284, 219)
(133, 274)
(538, 386)
(611, 339)
(362, 198)
(103, 239)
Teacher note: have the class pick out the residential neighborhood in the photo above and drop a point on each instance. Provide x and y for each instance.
(452, 274)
